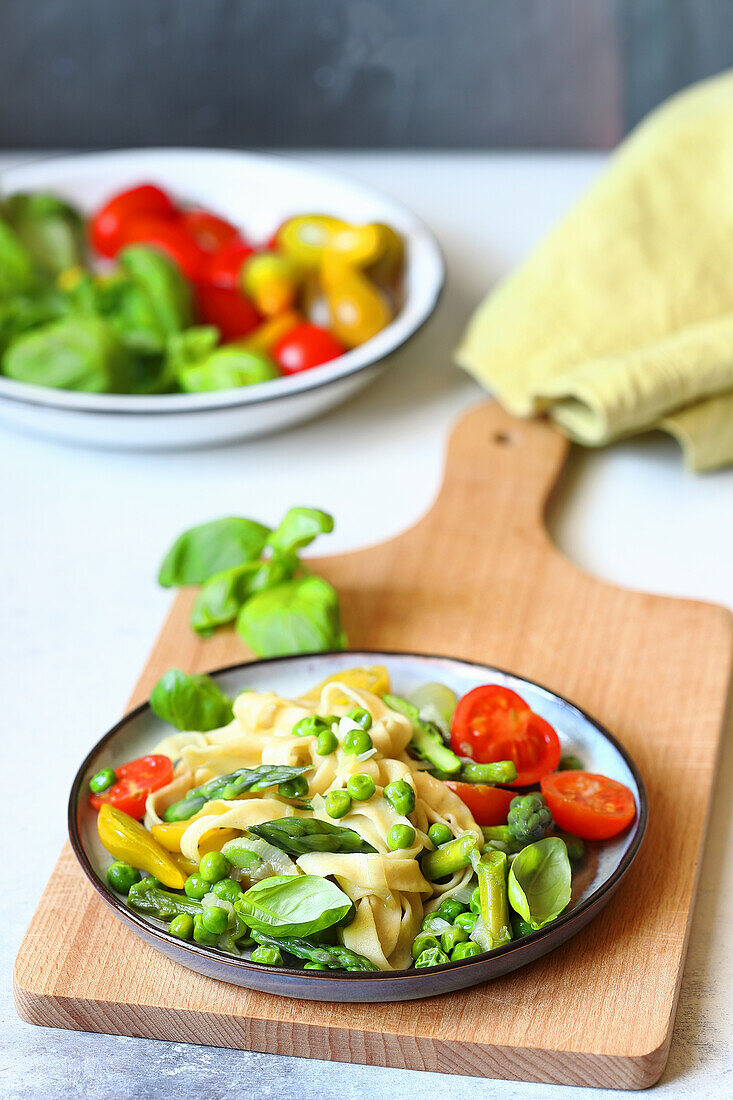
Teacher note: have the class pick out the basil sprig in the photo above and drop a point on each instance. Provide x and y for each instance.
(298, 835)
(231, 786)
(253, 575)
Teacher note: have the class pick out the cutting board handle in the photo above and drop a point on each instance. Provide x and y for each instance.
(508, 466)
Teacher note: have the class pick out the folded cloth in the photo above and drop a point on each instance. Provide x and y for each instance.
(622, 319)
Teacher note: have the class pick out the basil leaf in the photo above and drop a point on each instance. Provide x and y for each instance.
(21, 312)
(16, 263)
(231, 786)
(202, 551)
(78, 353)
(190, 702)
(293, 905)
(166, 293)
(222, 595)
(191, 346)
(50, 229)
(299, 527)
(298, 835)
(539, 881)
(298, 616)
(226, 368)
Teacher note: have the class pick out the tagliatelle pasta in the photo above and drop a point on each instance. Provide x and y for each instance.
(389, 891)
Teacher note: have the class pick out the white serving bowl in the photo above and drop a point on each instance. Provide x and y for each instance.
(256, 192)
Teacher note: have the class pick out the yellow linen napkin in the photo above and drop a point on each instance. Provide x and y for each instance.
(622, 319)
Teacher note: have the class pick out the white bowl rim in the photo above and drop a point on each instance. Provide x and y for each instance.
(49, 170)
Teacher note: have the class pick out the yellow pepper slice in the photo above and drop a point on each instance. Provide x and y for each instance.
(357, 245)
(169, 836)
(374, 678)
(270, 332)
(126, 839)
(304, 238)
(358, 309)
(271, 281)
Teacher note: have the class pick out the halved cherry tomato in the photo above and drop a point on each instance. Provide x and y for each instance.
(592, 807)
(135, 781)
(171, 238)
(489, 805)
(227, 308)
(494, 723)
(306, 346)
(208, 231)
(144, 201)
(224, 267)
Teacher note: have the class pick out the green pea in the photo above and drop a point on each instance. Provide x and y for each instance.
(356, 742)
(450, 909)
(467, 921)
(452, 937)
(267, 956)
(121, 876)
(102, 781)
(439, 833)
(465, 950)
(362, 717)
(214, 866)
(338, 803)
(400, 796)
(476, 901)
(315, 966)
(521, 928)
(432, 957)
(293, 788)
(432, 923)
(327, 743)
(423, 941)
(400, 836)
(201, 934)
(570, 764)
(181, 926)
(309, 727)
(215, 920)
(195, 887)
(227, 889)
(360, 786)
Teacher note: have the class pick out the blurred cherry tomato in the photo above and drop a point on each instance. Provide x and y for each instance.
(107, 224)
(208, 231)
(170, 237)
(304, 347)
(223, 267)
(227, 308)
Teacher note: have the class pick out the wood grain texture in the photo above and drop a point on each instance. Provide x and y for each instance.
(477, 578)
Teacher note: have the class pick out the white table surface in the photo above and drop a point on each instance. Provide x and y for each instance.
(84, 531)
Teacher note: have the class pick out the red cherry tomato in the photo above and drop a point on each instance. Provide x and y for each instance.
(227, 308)
(306, 346)
(224, 266)
(107, 224)
(489, 805)
(135, 781)
(592, 807)
(207, 230)
(493, 723)
(171, 238)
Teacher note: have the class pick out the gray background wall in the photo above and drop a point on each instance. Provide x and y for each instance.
(349, 73)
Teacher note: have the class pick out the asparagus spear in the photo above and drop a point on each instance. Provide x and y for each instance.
(334, 956)
(493, 928)
(448, 858)
(427, 741)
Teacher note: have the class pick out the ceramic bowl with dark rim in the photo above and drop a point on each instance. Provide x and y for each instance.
(257, 192)
(594, 882)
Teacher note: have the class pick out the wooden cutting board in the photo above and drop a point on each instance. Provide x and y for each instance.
(477, 578)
